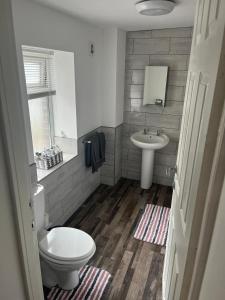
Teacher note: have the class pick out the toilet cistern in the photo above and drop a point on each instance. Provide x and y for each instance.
(148, 143)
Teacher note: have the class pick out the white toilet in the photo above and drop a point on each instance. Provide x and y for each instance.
(63, 250)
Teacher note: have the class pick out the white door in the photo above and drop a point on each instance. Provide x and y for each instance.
(200, 122)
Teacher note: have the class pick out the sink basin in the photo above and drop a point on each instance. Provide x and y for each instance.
(148, 143)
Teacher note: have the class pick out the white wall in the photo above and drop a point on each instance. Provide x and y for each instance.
(99, 79)
(213, 285)
(64, 103)
(113, 73)
(109, 76)
(40, 26)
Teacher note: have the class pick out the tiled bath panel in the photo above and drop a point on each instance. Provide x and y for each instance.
(168, 47)
(70, 185)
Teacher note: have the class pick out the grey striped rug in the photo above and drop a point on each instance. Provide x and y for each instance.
(153, 226)
(92, 284)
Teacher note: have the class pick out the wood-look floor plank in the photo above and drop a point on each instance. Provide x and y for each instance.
(140, 276)
(111, 215)
(118, 279)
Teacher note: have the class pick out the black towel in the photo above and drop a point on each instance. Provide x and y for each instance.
(95, 151)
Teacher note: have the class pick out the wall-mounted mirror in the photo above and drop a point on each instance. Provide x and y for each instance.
(155, 85)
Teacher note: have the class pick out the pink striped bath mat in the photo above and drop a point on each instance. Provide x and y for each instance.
(153, 226)
(92, 284)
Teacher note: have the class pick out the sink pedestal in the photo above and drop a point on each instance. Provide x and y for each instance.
(148, 143)
(147, 168)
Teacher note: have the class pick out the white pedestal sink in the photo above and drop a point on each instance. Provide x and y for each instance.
(148, 143)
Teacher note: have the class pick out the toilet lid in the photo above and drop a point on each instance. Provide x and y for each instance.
(65, 243)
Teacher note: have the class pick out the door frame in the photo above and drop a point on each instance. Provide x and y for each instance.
(210, 211)
(13, 126)
(209, 190)
(212, 169)
(15, 147)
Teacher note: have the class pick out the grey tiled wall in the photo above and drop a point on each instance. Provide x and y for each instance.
(68, 187)
(170, 47)
(111, 171)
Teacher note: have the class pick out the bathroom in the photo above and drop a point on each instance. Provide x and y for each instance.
(116, 84)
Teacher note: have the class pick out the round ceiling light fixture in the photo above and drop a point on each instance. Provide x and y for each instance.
(155, 7)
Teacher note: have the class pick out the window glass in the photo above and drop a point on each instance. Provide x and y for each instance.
(40, 123)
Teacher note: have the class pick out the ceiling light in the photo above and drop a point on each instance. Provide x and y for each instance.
(155, 7)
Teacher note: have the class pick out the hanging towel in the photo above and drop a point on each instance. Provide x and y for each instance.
(95, 151)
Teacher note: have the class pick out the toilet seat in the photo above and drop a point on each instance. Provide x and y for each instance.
(65, 245)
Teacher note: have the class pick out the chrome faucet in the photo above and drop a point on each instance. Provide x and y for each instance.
(158, 132)
(146, 131)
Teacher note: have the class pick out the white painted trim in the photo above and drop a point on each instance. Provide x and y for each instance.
(13, 129)
(211, 209)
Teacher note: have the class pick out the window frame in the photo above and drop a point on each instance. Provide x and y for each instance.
(37, 91)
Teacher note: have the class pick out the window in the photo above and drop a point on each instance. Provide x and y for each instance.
(40, 83)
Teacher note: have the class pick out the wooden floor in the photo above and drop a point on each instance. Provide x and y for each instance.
(110, 216)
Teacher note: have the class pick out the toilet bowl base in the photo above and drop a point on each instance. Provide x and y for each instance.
(68, 280)
(65, 279)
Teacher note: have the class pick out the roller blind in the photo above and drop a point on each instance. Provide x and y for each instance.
(39, 72)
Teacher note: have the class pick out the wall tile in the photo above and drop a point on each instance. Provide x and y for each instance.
(137, 62)
(107, 170)
(136, 104)
(165, 159)
(134, 128)
(162, 121)
(151, 46)
(127, 104)
(107, 180)
(173, 108)
(109, 133)
(126, 130)
(128, 77)
(110, 147)
(131, 174)
(175, 93)
(169, 47)
(163, 180)
(134, 118)
(135, 155)
(172, 32)
(144, 34)
(109, 157)
(68, 187)
(174, 62)
(130, 46)
(134, 91)
(160, 170)
(177, 78)
(170, 149)
(111, 170)
(138, 76)
(180, 46)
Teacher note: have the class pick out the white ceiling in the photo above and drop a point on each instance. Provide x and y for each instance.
(122, 13)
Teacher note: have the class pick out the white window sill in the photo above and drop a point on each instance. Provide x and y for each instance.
(42, 174)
